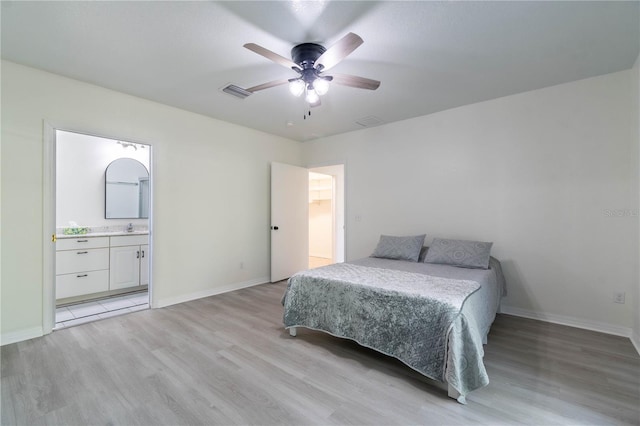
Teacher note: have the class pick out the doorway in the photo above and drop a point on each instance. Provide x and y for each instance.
(326, 215)
(290, 230)
(101, 211)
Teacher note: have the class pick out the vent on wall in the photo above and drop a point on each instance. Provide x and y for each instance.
(369, 121)
(236, 91)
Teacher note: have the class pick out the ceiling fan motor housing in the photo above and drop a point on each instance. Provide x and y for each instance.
(306, 54)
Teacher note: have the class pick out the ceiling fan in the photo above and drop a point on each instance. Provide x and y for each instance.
(311, 61)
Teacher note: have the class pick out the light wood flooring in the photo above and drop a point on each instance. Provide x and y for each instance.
(227, 360)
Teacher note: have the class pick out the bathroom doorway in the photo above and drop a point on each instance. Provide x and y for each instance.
(326, 215)
(101, 255)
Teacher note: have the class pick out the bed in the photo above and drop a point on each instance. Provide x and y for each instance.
(433, 317)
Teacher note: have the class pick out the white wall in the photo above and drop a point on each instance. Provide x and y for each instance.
(320, 215)
(210, 192)
(635, 113)
(542, 174)
(320, 229)
(80, 178)
(337, 172)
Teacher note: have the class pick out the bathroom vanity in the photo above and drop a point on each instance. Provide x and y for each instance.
(101, 264)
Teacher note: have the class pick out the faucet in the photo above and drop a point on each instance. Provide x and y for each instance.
(130, 227)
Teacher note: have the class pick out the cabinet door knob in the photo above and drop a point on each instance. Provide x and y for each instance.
(138, 254)
(143, 254)
(82, 276)
(82, 252)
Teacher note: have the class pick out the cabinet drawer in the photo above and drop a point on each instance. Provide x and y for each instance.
(81, 260)
(81, 243)
(129, 240)
(70, 285)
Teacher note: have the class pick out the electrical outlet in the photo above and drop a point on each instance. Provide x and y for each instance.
(358, 218)
(618, 297)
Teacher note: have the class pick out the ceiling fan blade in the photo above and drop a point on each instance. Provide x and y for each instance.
(272, 56)
(267, 85)
(339, 51)
(355, 81)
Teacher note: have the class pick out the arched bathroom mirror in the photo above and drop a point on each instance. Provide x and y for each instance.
(126, 190)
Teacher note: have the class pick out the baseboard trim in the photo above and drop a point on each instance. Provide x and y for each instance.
(321, 255)
(20, 335)
(570, 321)
(209, 292)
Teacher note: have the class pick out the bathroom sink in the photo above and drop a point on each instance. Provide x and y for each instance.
(126, 232)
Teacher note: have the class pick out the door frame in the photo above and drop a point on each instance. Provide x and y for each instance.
(49, 218)
(49, 229)
(345, 229)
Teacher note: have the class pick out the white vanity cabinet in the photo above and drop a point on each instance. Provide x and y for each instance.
(82, 266)
(87, 265)
(129, 266)
(144, 265)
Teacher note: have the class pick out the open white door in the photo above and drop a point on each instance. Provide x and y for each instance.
(289, 220)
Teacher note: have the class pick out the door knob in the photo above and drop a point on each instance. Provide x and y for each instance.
(275, 228)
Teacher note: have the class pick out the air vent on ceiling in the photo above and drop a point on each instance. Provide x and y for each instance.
(369, 121)
(236, 91)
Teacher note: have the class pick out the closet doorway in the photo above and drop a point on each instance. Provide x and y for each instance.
(101, 228)
(326, 215)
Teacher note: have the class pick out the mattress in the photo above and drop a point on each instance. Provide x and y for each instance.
(405, 310)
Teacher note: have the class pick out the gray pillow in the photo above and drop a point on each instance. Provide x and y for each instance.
(467, 254)
(400, 248)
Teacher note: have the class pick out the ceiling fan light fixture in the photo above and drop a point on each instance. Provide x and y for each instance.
(321, 86)
(311, 97)
(310, 61)
(296, 87)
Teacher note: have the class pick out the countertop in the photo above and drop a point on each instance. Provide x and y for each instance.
(101, 234)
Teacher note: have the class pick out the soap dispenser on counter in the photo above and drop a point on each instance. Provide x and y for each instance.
(129, 227)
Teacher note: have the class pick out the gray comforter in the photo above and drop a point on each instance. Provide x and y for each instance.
(434, 318)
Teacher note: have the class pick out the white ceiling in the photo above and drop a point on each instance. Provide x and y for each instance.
(429, 56)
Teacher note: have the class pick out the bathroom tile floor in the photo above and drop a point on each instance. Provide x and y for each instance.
(81, 313)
